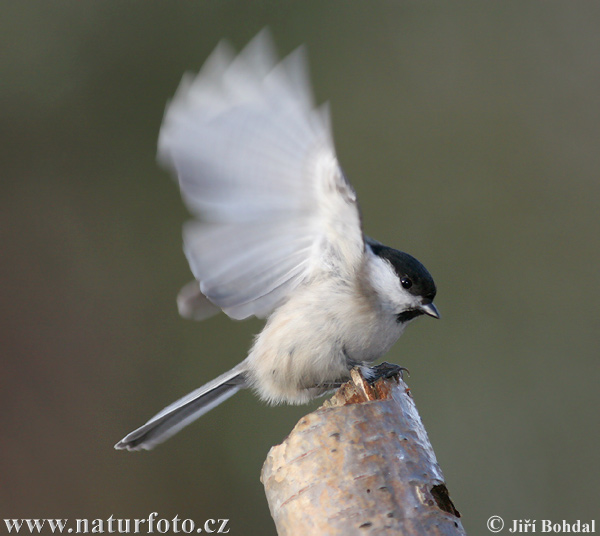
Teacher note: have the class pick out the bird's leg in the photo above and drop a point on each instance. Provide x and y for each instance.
(384, 370)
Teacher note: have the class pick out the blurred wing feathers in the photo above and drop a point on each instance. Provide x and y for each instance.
(256, 164)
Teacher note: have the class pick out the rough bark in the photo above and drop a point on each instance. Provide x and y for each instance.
(360, 464)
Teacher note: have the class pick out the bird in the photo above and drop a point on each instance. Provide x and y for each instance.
(276, 234)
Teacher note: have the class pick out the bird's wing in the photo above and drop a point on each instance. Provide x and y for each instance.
(194, 305)
(257, 167)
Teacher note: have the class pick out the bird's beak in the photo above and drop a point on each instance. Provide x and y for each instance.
(430, 309)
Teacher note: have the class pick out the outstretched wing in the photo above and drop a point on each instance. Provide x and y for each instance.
(257, 168)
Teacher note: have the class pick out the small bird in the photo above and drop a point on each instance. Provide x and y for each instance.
(277, 234)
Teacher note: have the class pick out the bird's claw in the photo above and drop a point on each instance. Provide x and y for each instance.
(386, 370)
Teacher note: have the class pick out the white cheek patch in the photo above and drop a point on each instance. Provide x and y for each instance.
(386, 283)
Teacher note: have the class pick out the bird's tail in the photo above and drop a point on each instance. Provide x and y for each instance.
(185, 410)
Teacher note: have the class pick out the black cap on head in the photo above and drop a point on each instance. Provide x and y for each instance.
(413, 276)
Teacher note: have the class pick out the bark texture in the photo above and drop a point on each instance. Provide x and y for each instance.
(360, 464)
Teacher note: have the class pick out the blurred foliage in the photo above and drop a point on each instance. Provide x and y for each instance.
(471, 133)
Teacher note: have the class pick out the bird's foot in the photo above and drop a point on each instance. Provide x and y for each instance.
(385, 370)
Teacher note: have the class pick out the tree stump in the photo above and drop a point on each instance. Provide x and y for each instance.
(360, 464)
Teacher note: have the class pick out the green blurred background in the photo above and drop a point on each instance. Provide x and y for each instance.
(471, 132)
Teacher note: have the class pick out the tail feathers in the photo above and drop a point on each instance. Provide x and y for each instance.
(185, 411)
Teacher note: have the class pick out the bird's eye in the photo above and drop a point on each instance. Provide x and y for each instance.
(406, 282)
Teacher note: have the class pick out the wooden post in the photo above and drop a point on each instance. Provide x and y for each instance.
(360, 464)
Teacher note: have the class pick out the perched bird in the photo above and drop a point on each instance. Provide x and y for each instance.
(277, 235)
